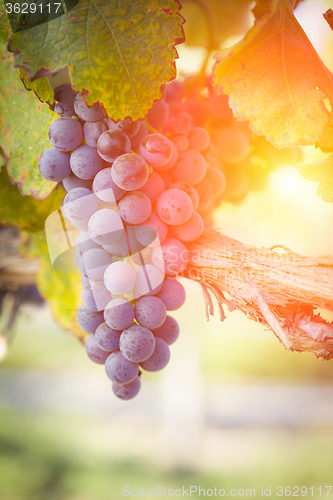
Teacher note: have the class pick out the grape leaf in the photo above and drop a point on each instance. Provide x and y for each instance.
(25, 211)
(24, 124)
(321, 171)
(329, 17)
(40, 86)
(325, 142)
(276, 80)
(5, 29)
(120, 51)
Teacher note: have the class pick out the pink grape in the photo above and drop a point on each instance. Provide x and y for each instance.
(106, 338)
(64, 96)
(105, 226)
(72, 182)
(79, 204)
(93, 351)
(173, 294)
(190, 190)
(119, 314)
(156, 149)
(191, 167)
(94, 263)
(149, 280)
(169, 331)
(112, 144)
(119, 278)
(171, 163)
(147, 231)
(89, 320)
(86, 162)
(160, 357)
(137, 343)
(119, 369)
(182, 123)
(128, 126)
(127, 391)
(191, 230)
(105, 188)
(150, 312)
(88, 113)
(166, 179)
(158, 114)
(84, 243)
(134, 207)
(173, 91)
(154, 187)
(181, 142)
(199, 139)
(217, 180)
(95, 296)
(65, 133)
(174, 206)
(92, 131)
(172, 256)
(126, 245)
(130, 171)
(234, 146)
(54, 165)
(141, 134)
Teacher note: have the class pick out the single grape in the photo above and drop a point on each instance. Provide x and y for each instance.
(95, 296)
(105, 226)
(174, 206)
(86, 162)
(94, 263)
(146, 233)
(199, 139)
(154, 187)
(112, 144)
(130, 171)
(171, 163)
(172, 293)
(89, 320)
(87, 113)
(72, 182)
(65, 134)
(128, 126)
(171, 257)
(217, 180)
(134, 207)
(105, 188)
(234, 146)
(119, 278)
(156, 149)
(158, 114)
(181, 142)
(126, 245)
(160, 357)
(149, 280)
(150, 312)
(182, 123)
(64, 96)
(94, 352)
(137, 343)
(173, 91)
(54, 165)
(206, 196)
(127, 391)
(143, 131)
(106, 338)
(191, 230)
(79, 204)
(169, 331)
(119, 369)
(92, 132)
(191, 167)
(190, 190)
(119, 314)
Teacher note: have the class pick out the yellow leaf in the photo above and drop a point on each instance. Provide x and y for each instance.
(321, 171)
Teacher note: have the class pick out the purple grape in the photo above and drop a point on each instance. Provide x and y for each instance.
(137, 343)
(79, 204)
(149, 281)
(105, 226)
(94, 353)
(150, 312)
(191, 230)
(174, 207)
(126, 245)
(160, 357)
(87, 113)
(158, 114)
(156, 149)
(172, 256)
(191, 167)
(104, 187)
(169, 331)
(95, 296)
(127, 391)
(107, 339)
(86, 162)
(134, 207)
(89, 320)
(84, 243)
(84, 280)
(199, 138)
(119, 369)
(65, 134)
(143, 131)
(154, 187)
(64, 96)
(119, 314)
(92, 132)
(128, 126)
(190, 190)
(130, 171)
(119, 278)
(171, 163)
(173, 91)
(72, 182)
(94, 263)
(172, 293)
(112, 144)
(54, 165)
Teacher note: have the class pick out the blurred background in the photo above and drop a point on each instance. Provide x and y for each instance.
(233, 409)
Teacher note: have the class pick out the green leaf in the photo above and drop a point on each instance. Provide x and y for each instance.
(24, 124)
(321, 171)
(40, 86)
(5, 28)
(120, 51)
(25, 211)
(276, 80)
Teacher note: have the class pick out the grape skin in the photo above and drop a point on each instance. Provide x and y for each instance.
(79, 204)
(172, 256)
(154, 187)
(119, 314)
(172, 294)
(143, 131)
(92, 132)
(190, 190)
(181, 142)
(126, 245)
(149, 280)
(105, 188)
(119, 369)
(171, 163)
(85, 162)
(199, 139)
(160, 357)
(95, 296)
(147, 232)
(130, 171)
(127, 391)
(107, 339)
(191, 167)
(150, 312)
(72, 182)
(134, 207)
(89, 320)
(166, 179)
(64, 96)
(158, 114)
(128, 126)
(156, 149)
(217, 180)
(174, 206)
(94, 352)
(191, 230)
(112, 144)
(137, 343)
(54, 165)
(105, 226)
(87, 113)
(169, 331)
(65, 134)
(119, 278)
(94, 263)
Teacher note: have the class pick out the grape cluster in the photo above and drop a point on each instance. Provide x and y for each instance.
(138, 191)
